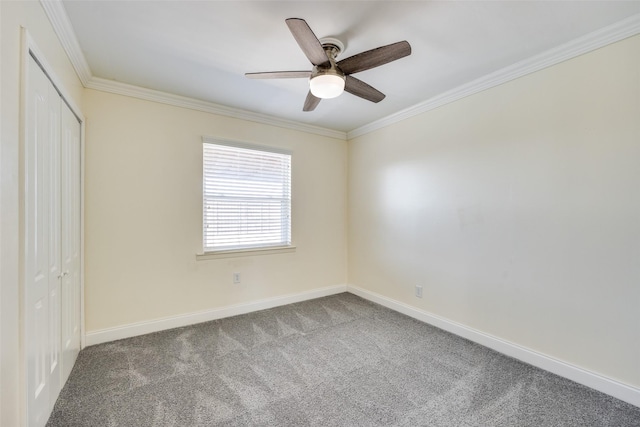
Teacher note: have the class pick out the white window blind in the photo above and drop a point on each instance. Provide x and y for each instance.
(247, 197)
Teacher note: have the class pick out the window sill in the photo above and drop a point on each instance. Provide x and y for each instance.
(232, 253)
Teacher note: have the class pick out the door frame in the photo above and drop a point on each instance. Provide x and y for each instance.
(30, 49)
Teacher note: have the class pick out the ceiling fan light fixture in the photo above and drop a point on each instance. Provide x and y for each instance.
(326, 86)
(328, 78)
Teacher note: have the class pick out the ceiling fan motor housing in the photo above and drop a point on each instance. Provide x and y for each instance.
(327, 80)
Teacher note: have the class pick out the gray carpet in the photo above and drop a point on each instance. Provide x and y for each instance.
(334, 361)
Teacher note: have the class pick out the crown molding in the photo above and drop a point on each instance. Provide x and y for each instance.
(119, 88)
(59, 19)
(618, 31)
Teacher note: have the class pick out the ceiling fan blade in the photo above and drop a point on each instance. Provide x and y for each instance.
(359, 88)
(374, 57)
(311, 102)
(279, 75)
(307, 41)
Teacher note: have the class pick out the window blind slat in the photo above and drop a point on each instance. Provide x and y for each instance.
(246, 198)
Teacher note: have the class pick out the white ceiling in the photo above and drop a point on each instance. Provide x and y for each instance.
(201, 49)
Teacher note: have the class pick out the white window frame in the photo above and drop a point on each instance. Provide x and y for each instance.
(284, 245)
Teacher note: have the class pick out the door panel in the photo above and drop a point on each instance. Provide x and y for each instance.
(36, 283)
(53, 191)
(70, 180)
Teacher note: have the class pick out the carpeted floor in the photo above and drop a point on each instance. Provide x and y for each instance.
(334, 361)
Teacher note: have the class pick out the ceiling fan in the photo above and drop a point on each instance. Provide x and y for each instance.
(328, 78)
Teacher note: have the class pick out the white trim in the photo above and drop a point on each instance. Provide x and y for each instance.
(207, 107)
(246, 145)
(582, 376)
(2, 262)
(62, 26)
(613, 33)
(29, 49)
(146, 327)
(233, 253)
(32, 48)
(82, 225)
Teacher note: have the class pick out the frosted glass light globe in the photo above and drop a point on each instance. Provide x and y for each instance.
(327, 86)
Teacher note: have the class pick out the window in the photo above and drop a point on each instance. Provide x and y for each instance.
(246, 197)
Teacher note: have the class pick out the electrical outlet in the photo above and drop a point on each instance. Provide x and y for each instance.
(419, 291)
(236, 278)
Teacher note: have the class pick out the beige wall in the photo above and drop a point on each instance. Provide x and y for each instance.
(144, 214)
(517, 209)
(14, 15)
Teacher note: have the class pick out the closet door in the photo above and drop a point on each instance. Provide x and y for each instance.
(51, 242)
(70, 234)
(39, 270)
(53, 227)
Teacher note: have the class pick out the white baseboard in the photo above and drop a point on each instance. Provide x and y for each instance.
(590, 379)
(582, 376)
(156, 325)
